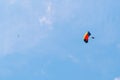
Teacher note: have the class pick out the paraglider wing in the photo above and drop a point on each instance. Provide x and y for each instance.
(86, 37)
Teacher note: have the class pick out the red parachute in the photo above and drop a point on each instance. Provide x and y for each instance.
(86, 37)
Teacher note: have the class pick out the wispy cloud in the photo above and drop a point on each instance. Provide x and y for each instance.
(42, 71)
(30, 27)
(45, 21)
(49, 8)
(117, 78)
(73, 58)
(47, 18)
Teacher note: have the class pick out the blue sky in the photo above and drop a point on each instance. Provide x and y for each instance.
(42, 40)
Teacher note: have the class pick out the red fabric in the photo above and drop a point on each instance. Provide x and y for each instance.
(86, 37)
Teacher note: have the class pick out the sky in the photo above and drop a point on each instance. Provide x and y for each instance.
(43, 40)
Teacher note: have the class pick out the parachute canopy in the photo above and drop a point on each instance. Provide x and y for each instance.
(86, 37)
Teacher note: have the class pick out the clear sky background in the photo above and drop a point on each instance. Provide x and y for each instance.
(43, 40)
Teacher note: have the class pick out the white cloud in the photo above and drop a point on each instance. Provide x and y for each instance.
(47, 18)
(32, 25)
(73, 58)
(45, 21)
(117, 78)
(49, 8)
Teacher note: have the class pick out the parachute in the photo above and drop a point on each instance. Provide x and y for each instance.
(86, 37)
